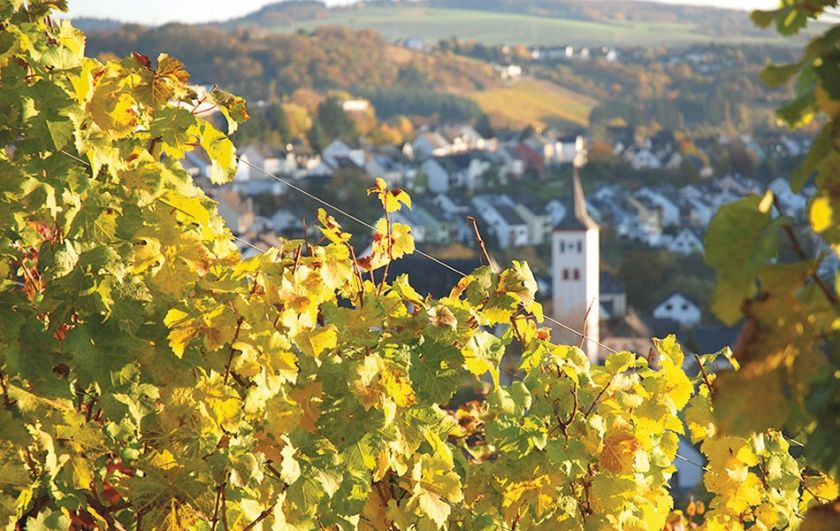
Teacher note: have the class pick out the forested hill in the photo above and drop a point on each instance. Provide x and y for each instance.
(265, 65)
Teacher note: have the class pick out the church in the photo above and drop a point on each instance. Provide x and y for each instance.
(575, 265)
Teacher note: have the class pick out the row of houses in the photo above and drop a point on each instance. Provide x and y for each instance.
(664, 150)
(450, 170)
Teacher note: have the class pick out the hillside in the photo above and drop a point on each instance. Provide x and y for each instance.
(266, 65)
(545, 22)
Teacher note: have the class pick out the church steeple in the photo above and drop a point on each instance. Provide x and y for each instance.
(577, 217)
(575, 264)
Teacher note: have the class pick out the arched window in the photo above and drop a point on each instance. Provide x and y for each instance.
(580, 246)
(562, 246)
(577, 274)
(565, 274)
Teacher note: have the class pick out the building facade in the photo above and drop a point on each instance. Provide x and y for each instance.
(575, 264)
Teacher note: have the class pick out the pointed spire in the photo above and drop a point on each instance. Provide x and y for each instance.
(576, 217)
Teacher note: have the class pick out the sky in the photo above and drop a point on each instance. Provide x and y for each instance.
(162, 11)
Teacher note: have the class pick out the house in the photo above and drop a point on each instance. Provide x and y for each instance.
(344, 149)
(664, 143)
(621, 137)
(507, 225)
(641, 158)
(454, 171)
(695, 211)
(686, 242)
(430, 144)
(238, 212)
(632, 333)
(646, 220)
(679, 308)
(286, 223)
(539, 220)
(510, 166)
(464, 138)
(357, 105)
(425, 226)
(735, 185)
(532, 155)
(387, 168)
(613, 297)
(669, 211)
(568, 148)
(508, 71)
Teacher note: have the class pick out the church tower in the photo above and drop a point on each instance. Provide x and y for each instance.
(575, 264)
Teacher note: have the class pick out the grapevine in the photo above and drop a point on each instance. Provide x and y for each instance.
(152, 378)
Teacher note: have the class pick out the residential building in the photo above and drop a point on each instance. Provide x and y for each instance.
(679, 308)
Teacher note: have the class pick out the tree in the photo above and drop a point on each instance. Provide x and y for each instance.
(333, 122)
(150, 378)
(485, 127)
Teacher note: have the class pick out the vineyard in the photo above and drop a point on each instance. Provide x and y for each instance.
(151, 378)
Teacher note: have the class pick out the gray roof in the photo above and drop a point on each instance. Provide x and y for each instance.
(577, 217)
(509, 214)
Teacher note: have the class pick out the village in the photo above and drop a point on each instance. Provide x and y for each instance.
(453, 172)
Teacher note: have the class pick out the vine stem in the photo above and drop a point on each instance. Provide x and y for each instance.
(585, 329)
(232, 350)
(215, 519)
(263, 515)
(597, 398)
(703, 372)
(390, 250)
(800, 252)
(480, 242)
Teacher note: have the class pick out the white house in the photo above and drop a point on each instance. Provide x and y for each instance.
(509, 71)
(338, 149)
(355, 105)
(510, 229)
(679, 308)
(642, 158)
(669, 211)
(575, 266)
(454, 171)
(430, 144)
(686, 242)
(697, 211)
(249, 158)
